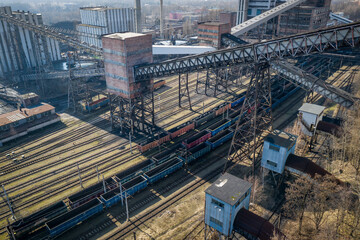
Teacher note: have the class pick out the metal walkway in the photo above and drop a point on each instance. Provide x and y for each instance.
(309, 81)
(339, 18)
(296, 45)
(264, 17)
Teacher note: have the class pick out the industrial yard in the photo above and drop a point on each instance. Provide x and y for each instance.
(147, 122)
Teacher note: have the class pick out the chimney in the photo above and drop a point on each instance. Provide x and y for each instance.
(161, 20)
(138, 16)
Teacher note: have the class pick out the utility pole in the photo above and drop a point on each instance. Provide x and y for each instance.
(161, 20)
(8, 201)
(79, 176)
(121, 194)
(127, 208)
(98, 175)
(104, 183)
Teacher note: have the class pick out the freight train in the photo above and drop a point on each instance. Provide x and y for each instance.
(59, 217)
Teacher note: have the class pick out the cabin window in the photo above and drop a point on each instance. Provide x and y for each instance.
(15, 123)
(217, 203)
(274, 148)
(271, 163)
(217, 222)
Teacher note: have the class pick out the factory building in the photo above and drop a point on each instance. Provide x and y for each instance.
(21, 49)
(98, 21)
(311, 15)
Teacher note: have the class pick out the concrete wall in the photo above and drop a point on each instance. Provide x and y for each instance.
(20, 48)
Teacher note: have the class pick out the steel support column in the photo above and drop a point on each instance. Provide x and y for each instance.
(184, 89)
(256, 117)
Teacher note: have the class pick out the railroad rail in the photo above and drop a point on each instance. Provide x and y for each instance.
(296, 45)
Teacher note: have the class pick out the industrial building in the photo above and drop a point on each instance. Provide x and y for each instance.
(24, 120)
(210, 32)
(311, 15)
(21, 49)
(98, 21)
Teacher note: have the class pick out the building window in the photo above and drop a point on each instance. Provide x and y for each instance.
(15, 123)
(217, 203)
(271, 163)
(274, 148)
(217, 222)
(258, 11)
(31, 118)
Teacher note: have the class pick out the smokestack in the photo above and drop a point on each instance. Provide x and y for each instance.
(161, 20)
(138, 16)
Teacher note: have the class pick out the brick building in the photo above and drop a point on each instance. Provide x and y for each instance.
(210, 33)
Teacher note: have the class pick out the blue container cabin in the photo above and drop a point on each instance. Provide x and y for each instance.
(134, 186)
(223, 200)
(31, 224)
(196, 152)
(219, 126)
(73, 217)
(135, 170)
(277, 147)
(220, 138)
(163, 169)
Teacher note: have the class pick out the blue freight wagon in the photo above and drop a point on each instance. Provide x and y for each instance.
(166, 154)
(89, 193)
(220, 138)
(111, 198)
(237, 102)
(234, 116)
(135, 170)
(73, 217)
(163, 169)
(205, 117)
(134, 186)
(30, 225)
(219, 126)
(198, 151)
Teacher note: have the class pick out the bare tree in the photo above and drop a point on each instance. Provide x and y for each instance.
(297, 195)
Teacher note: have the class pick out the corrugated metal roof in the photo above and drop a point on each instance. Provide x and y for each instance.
(312, 108)
(305, 165)
(280, 138)
(228, 188)
(255, 225)
(24, 113)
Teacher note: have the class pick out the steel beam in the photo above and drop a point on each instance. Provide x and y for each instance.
(296, 45)
(310, 82)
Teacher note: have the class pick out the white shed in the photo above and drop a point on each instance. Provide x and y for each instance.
(310, 115)
(223, 199)
(277, 147)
